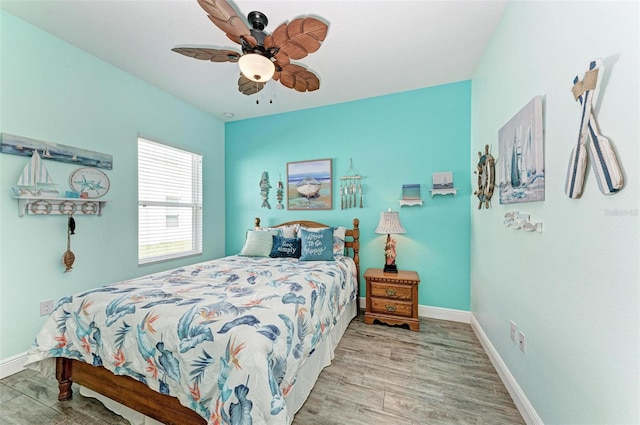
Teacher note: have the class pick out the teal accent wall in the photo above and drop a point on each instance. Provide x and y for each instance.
(51, 91)
(573, 290)
(393, 140)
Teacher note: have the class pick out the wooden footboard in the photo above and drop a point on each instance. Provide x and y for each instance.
(124, 390)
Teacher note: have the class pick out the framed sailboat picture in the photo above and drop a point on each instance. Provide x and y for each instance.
(18, 145)
(309, 185)
(521, 156)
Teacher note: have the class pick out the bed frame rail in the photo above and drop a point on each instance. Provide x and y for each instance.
(124, 390)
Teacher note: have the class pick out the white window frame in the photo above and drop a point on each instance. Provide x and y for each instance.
(157, 189)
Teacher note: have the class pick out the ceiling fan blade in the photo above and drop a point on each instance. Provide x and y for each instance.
(226, 18)
(298, 78)
(282, 60)
(213, 55)
(299, 37)
(248, 87)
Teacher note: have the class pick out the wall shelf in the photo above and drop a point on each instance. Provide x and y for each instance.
(32, 205)
(410, 202)
(453, 191)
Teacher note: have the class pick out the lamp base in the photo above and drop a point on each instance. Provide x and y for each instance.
(390, 268)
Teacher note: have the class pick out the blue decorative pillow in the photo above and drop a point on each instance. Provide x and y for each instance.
(316, 246)
(258, 243)
(339, 234)
(285, 247)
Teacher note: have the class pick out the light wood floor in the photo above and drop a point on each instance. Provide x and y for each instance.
(380, 375)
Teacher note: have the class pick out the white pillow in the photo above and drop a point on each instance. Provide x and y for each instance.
(290, 231)
(339, 233)
(258, 243)
(266, 229)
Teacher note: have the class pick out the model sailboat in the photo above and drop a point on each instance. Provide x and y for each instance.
(35, 179)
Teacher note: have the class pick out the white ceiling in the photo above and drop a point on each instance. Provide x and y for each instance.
(372, 48)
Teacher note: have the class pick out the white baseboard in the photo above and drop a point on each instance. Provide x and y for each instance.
(525, 408)
(443, 314)
(12, 365)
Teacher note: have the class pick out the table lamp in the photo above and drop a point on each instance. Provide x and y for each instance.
(389, 224)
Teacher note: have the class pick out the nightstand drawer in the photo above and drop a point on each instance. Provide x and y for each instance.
(392, 298)
(387, 306)
(388, 290)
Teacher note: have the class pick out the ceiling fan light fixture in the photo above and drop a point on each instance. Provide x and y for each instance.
(256, 67)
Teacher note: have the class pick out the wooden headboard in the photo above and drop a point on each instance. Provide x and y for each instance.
(351, 243)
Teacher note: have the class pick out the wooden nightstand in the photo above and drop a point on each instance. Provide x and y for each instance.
(392, 298)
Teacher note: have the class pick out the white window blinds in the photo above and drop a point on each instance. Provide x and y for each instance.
(169, 202)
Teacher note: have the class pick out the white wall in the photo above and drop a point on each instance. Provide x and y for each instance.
(573, 290)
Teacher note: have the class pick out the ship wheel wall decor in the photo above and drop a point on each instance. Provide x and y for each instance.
(289, 41)
(486, 178)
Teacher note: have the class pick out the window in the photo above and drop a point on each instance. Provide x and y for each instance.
(169, 202)
(173, 213)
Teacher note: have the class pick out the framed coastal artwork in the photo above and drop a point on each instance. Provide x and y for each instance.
(309, 185)
(521, 156)
(18, 145)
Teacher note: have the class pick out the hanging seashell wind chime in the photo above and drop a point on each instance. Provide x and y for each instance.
(351, 188)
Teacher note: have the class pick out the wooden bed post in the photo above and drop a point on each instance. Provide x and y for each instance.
(63, 375)
(356, 255)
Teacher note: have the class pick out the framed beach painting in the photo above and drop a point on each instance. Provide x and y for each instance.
(18, 145)
(521, 156)
(309, 185)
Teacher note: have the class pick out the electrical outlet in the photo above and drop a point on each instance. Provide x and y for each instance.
(46, 307)
(514, 329)
(521, 342)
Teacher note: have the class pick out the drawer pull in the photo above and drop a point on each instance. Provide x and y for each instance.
(390, 292)
(390, 308)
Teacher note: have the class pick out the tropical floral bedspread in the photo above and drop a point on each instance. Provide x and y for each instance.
(226, 337)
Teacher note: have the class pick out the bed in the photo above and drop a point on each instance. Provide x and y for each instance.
(236, 340)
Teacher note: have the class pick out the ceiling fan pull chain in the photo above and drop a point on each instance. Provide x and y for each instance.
(257, 94)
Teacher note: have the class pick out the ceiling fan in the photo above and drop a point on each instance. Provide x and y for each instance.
(264, 56)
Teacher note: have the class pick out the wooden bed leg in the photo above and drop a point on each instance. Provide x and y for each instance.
(63, 375)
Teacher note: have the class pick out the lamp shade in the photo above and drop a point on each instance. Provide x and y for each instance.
(256, 67)
(389, 223)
